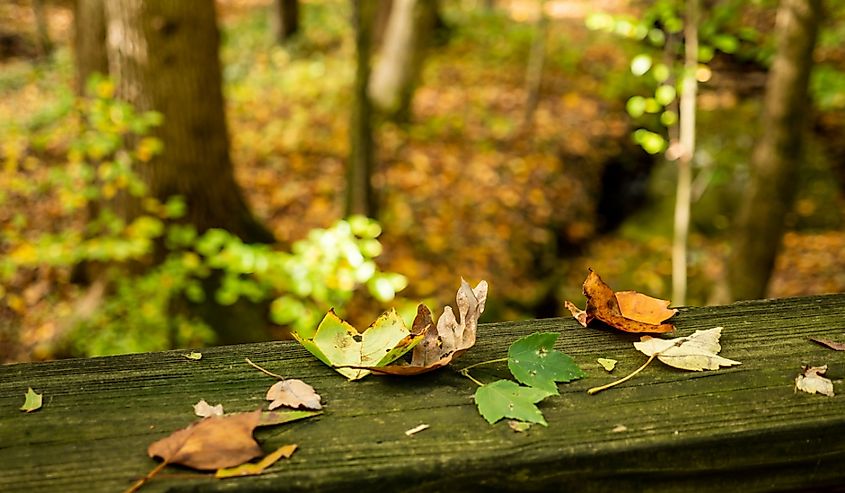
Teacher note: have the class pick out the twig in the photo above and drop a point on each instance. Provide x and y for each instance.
(262, 370)
(488, 362)
(465, 373)
(596, 390)
(137, 484)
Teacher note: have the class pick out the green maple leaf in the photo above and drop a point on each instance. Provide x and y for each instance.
(534, 362)
(32, 401)
(506, 399)
(341, 346)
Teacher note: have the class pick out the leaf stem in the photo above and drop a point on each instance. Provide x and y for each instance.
(137, 484)
(488, 362)
(596, 390)
(262, 370)
(465, 373)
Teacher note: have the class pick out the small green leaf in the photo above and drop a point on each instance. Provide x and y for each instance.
(506, 399)
(534, 362)
(607, 363)
(193, 355)
(32, 402)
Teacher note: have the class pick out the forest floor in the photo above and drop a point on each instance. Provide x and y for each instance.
(466, 188)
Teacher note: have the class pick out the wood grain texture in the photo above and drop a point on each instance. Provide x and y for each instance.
(737, 429)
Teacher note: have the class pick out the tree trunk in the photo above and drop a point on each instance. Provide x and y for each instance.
(777, 154)
(45, 45)
(360, 197)
(164, 57)
(89, 22)
(687, 152)
(534, 70)
(409, 32)
(285, 19)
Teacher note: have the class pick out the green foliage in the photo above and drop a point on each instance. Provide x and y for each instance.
(506, 399)
(534, 362)
(154, 267)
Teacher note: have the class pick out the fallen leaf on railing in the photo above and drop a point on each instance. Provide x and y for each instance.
(32, 401)
(628, 311)
(293, 393)
(250, 469)
(446, 340)
(350, 353)
(205, 410)
(696, 352)
(811, 381)
(507, 399)
(533, 361)
(836, 346)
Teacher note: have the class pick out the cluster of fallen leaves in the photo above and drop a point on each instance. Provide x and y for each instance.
(224, 443)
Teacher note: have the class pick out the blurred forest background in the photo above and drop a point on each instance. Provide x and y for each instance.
(184, 173)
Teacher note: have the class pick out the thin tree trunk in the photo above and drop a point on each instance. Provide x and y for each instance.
(778, 153)
(89, 22)
(164, 56)
(285, 19)
(534, 71)
(687, 142)
(360, 197)
(45, 45)
(409, 32)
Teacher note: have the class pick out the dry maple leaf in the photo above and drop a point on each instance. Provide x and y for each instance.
(449, 338)
(293, 393)
(811, 381)
(628, 311)
(213, 443)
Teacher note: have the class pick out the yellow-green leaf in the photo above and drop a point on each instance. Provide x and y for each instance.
(254, 469)
(32, 401)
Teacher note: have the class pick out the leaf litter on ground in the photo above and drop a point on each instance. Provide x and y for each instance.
(628, 311)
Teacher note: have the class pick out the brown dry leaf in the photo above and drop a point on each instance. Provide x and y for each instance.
(811, 381)
(293, 393)
(285, 451)
(836, 346)
(628, 311)
(448, 339)
(213, 443)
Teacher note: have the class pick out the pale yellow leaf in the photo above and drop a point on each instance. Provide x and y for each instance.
(696, 352)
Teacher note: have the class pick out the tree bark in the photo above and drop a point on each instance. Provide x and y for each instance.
(164, 57)
(285, 19)
(360, 198)
(89, 40)
(409, 32)
(777, 154)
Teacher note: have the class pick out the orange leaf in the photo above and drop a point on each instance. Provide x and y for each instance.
(628, 311)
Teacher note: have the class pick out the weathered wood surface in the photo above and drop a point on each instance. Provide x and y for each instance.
(737, 429)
